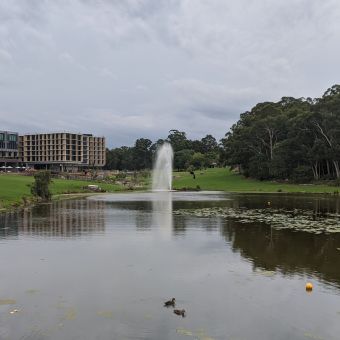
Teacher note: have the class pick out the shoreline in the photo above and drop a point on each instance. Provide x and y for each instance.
(15, 194)
(69, 196)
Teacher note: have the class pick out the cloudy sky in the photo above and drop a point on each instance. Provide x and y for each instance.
(138, 68)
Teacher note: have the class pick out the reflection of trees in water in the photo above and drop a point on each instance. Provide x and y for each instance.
(66, 218)
(318, 204)
(143, 220)
(184, 223)
(179, 226)
(8, 225)
(286, 251)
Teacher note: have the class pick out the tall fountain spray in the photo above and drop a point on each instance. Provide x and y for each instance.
(162, 172)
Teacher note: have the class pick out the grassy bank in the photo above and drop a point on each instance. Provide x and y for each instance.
(13, 188)
(226, 180)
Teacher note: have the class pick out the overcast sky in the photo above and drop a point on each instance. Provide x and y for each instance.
(138, 68)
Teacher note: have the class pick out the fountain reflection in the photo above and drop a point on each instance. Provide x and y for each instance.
(162, 217)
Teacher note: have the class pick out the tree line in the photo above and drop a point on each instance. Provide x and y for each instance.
(295, 138)
(188, 153)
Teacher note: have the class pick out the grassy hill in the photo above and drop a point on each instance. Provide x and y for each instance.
(226, 180)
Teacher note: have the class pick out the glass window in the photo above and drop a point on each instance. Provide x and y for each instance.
(12, 138)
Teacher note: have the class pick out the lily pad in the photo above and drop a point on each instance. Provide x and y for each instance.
(7, 302)
(297, 219)
(70, 314)
(184, 331)
(105, 314)
(313, 336)
(268, 273)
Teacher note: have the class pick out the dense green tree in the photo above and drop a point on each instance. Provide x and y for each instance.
(178, 140)
(142, 154)
(208, 144)
(182, 159)
(295, 138)
(196, 145)
(197, 160)
(40, 186)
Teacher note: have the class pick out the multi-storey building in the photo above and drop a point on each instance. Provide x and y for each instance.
(62, 151)
(9, 153)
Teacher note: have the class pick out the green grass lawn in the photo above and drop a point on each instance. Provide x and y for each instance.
(226, 180)
(14, 187)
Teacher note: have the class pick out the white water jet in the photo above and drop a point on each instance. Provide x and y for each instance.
(162, 171)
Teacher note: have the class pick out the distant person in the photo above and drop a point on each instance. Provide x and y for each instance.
(193, 174)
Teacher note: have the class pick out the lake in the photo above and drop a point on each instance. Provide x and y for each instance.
(102, 267)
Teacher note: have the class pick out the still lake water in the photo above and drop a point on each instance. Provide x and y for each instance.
(101, 268)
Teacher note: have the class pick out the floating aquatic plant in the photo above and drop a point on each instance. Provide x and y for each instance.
(297, 219)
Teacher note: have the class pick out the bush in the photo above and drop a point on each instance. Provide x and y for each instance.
(121, 175)
(336, 183)
(40, 187)
(302, 174)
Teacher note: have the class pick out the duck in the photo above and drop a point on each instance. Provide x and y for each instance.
(170, 303)
(180, 312)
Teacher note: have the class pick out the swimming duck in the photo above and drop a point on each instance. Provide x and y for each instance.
(180, 312)
(170, 303)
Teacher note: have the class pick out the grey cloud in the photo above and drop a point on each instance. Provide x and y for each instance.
(5, 56)
(141, 67)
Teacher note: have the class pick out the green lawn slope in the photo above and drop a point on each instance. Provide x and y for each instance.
(14, 187)
(226, 180)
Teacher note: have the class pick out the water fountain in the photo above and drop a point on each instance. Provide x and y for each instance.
(161, 187)
(162, 172)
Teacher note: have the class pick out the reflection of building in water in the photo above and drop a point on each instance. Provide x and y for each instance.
(67, 218)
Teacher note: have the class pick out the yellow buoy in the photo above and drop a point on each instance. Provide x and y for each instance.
(309, 287)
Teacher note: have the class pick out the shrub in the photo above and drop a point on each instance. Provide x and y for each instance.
(40, 187)
(302, 174)
(121, 175)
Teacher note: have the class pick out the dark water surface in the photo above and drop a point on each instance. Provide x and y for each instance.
(101, 268)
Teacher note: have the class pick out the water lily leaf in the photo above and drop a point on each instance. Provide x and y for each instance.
(268, 273)
(7, 302)
(297, 219)
(70, 314)
(313, 336)
(105, 314)
(185, 332)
